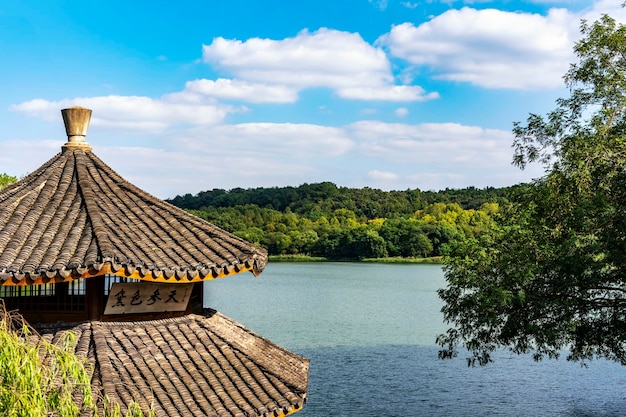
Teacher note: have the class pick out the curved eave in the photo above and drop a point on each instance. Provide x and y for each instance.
(171, 276)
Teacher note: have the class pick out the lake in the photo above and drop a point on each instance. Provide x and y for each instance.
(369, 331)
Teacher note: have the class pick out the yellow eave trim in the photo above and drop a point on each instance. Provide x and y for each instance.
(122, 272)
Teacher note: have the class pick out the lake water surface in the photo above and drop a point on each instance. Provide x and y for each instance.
(369, 331)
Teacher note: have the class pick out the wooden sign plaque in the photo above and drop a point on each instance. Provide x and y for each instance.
(147, 297)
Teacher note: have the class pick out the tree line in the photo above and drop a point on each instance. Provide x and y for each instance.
(324, 220)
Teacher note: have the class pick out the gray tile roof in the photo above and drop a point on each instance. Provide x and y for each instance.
(76, 217)
(196, 365)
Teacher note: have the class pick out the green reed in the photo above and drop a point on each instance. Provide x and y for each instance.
(38, 378)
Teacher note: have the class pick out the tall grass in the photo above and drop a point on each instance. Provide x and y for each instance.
(38, 378)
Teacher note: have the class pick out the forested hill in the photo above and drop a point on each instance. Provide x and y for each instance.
(349, 223)
(326, 197)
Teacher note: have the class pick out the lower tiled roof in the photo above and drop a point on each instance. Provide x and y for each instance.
(196, 365)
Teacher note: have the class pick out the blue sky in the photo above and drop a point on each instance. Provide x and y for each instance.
(194, 95)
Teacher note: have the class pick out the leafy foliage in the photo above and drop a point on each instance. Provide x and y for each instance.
(39, 379)
(346, 223)
(6, 180)
(549, 274)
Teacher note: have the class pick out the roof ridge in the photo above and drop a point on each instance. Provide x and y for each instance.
(94, 214)
(48, 218)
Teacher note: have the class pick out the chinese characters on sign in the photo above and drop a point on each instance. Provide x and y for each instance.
(144, 297)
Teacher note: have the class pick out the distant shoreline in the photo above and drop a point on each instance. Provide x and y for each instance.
(394, 260)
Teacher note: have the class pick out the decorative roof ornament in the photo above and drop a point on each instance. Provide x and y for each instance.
(76, 120)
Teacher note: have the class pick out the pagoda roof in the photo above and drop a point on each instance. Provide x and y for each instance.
(188, 366)
(75, 217)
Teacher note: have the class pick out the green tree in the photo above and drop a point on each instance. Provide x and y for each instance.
(550, 274)
(351, 243)
(6, 180)
(406, 238)
(302, 242)
(277, 243)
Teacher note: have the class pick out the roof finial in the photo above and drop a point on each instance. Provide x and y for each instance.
(76, 121)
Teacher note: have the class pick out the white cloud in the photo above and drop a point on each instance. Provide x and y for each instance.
(449, 143)
(489, 48)
(40, 108)
(439, 155)
(267, 140)
(323, 58)
(142, 114)
(393, 93)
(611, 7)
(229, 156)
(401, 112)
(151, 169)
(435, 181)
(13, 154)
(369, 111)
(328, 58)
(382, 176)
(225, 89)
